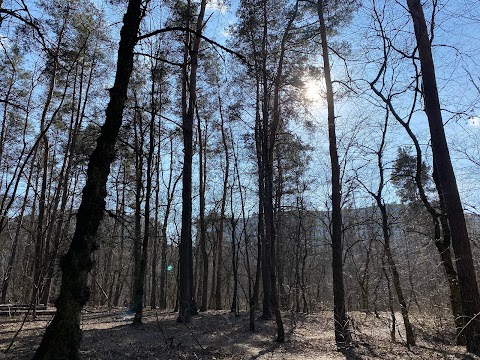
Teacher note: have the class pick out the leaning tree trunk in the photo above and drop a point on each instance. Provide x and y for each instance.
(11, 260)
(342, 332)
(62, 337)
(443, 245)
(441, 157)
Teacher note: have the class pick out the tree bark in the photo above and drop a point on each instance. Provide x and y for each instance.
(146, 228)
(267, 173)
(442, 162)
(202, 174)
(396, 277)
(218, 292)
(342, 331)
(187, 305)
(136, 302)
(443, 244)
(13, 253)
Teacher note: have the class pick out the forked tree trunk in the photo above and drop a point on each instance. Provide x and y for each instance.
(62, 337)
(378, 196)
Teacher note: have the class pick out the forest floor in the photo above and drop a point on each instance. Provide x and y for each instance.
(108, 334)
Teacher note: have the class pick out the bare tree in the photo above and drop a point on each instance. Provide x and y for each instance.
(386, 232)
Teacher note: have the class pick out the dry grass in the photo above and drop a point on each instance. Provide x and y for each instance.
(221, 335)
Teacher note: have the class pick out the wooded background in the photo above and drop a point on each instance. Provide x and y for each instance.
(268, 152)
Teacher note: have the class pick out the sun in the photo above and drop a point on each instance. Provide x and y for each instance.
(312, 90)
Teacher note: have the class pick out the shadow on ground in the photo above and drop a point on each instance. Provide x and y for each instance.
(221, 335)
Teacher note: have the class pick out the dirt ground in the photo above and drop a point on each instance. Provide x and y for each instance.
(108, 334)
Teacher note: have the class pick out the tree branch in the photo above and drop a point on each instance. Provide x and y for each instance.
(196, 33)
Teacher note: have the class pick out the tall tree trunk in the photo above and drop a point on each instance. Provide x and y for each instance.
(253, 300)
(140, 290)
(442, 162)
(443, 243)
(121, 265)
(158, 233)
(40, 232)
(266, 190)
(186, 297)
(29, 259)
(304, 265)
(202, 175)
(63, 183)
(136, 302)
(280, 238)
(218, 274)
(4, 129)
(439, 219)
(62, 337)
(153, 284)
(213, 286)
(13, 253)
(171, 186)
(218, 292)
(390, 302)
(342, 331)
(234, 307)
(395, 275)
(378, 196)
(236, 244)
(42, 245)
(268, 146)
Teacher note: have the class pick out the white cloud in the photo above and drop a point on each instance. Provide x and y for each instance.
(474, 121)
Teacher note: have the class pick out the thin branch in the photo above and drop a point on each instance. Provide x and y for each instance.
(159, 59)
(184, 29)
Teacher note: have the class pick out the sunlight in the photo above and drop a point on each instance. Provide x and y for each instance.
(313, 90)
(217, 5)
